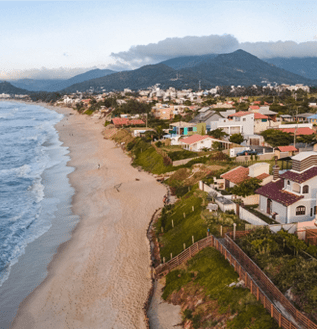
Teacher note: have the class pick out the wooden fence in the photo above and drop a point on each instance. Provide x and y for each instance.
(311, 236)
(257, 281)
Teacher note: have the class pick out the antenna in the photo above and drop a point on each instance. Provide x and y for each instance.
(199, 85)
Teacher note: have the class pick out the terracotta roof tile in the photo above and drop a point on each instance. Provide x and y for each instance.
(126, 122)
(299, 131)
(240, 114)
(260, 116)
(194, 139)
(254, 107)
(236, 175)
(289, 148)
(274, 191)
(262, 176)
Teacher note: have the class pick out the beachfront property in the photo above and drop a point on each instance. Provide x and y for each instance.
(198, 142)
(124, 122)
(182, 128)
(240, 122)
(291, 196)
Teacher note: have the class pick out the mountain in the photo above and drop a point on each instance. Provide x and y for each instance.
(237, 68)
(242, 68)
(304, 66)
(8, 88)
(143, 77)
(188, 61)
(59, 84)
(35, 85)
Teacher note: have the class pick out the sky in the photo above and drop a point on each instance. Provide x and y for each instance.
(59, 39)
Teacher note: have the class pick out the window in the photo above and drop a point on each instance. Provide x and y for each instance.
(311, 212)
(306, 189)
(244, 119)
(300, 210)
(288, 182)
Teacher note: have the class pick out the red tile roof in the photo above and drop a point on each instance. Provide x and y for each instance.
(262, 176)
(260, 116)
(274, 191)
(236, 175)
(194, 139)
(257, 102)
(300, 177)
(240, 114)
(289, 148)
(254, 107)
(299, 131)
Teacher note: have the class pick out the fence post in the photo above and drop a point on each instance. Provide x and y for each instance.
(184, 245)
(234, 231)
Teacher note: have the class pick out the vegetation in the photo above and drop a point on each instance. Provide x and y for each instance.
(288, 262)
(247, 187)
(236, 138)
(277, 137)
(207, 277)
(217, 133)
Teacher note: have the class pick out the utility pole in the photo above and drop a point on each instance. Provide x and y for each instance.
(296, 126)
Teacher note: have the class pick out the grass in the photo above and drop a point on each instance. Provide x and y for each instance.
(184, 228)
(235, 308)
(267, 219)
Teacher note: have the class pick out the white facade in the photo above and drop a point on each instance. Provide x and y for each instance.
(242, 124)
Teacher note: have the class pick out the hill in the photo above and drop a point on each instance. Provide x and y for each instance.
(242, 68)
(8, 88)
(52, 85)
(304, 66)
(143, 77)
(237, 68)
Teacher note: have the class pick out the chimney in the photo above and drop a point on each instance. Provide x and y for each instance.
(276, 175)
(276, 170)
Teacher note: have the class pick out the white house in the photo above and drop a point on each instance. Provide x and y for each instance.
(198, 142)
(240, 122)
(291, 196)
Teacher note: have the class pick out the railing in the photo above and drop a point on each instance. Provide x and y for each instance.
(250, 273)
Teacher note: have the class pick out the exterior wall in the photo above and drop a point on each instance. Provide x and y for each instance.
(250, 218)
(266, 156)
(258, 169)
(260, 126)
(276, 207)
(251, 199)
(246, 124)
(308, 203)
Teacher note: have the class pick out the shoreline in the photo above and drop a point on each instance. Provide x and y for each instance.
(119, 223)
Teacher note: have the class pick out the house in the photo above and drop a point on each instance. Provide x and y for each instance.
(240, 122)
(286, 117)
(285, 151)
(291, 196)
(265, 110)
(312, 119)
(239, 174)
(183, 128)
(163, 111)
(198, 142)
(302, 117)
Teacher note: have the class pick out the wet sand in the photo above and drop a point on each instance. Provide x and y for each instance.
(100, 278)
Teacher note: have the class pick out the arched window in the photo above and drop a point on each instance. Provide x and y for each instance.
(306, 189)
(300, 210)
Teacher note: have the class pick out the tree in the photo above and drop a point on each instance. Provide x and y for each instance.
(246, 187)
(276, 137)
(216, 146)
(236, 138)
(307, 139)
(217, 133)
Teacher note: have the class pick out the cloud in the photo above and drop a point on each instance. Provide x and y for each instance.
(140, 55)
(152, 53)
(43, 73)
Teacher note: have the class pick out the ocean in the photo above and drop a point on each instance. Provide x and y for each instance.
(35, 200)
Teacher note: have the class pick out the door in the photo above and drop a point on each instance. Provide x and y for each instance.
(269, 206)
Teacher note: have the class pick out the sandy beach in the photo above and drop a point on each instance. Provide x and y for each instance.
(101, 277)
